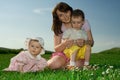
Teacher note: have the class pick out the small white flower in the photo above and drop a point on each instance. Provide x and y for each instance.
(107, 71)
(92, 74)
(103, 73)
(110, 66)
(105, 65)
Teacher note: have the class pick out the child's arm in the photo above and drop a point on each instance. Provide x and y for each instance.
(20, 68)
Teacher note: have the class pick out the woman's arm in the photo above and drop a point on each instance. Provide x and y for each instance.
(90, 40)
(59, 46)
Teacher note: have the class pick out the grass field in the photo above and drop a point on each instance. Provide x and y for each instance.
(105, 66)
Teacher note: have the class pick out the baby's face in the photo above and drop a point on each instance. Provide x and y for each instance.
(77, 22)
(35, 48)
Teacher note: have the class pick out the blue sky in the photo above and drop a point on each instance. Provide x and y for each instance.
(20, 19)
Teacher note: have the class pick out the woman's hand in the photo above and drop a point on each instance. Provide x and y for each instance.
(80, 42)
(90, 42)
(69, 43)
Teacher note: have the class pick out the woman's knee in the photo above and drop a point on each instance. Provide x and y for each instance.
(56, 62)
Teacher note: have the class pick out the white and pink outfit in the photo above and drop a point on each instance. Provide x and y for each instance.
(29, 62)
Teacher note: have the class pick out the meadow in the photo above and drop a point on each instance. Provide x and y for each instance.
(105, 66)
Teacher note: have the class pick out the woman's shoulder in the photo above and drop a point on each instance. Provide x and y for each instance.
(86, 26)
(86, 22)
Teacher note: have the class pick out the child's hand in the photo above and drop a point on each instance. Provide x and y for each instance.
(20, 68)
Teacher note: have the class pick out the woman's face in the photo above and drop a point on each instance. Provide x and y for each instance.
(65, 17)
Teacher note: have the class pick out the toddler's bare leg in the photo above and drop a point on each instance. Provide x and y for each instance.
(87, 55)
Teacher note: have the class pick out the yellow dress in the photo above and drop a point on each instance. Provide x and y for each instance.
(81, 51)
(74, 34)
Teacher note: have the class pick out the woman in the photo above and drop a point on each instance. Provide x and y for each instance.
(62, 21)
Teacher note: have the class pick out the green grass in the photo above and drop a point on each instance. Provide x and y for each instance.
(106, 66)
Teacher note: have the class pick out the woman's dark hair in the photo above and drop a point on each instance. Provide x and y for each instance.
(56, 26)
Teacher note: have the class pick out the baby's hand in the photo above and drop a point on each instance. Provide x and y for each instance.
(22, 72)
(20, 69)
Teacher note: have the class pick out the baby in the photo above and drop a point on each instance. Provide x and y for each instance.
(29, 60)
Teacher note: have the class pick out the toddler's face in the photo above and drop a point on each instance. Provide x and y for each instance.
(77, 22)
(35, 47)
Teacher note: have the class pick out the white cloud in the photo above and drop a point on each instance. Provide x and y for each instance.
(42, 10)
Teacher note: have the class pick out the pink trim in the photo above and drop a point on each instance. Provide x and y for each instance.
(60, 54)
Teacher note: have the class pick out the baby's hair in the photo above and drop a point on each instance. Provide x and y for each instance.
(78, 12)
(35, 41)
